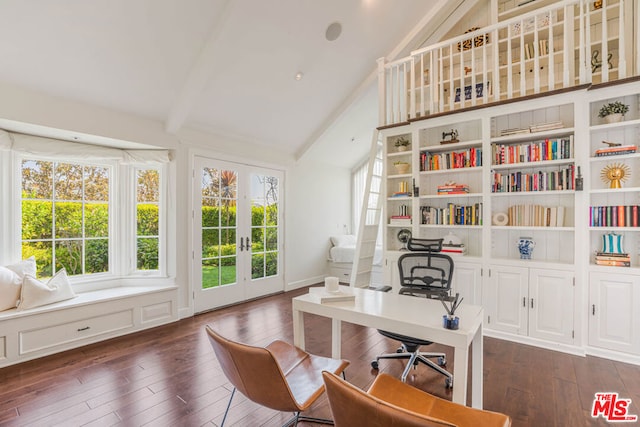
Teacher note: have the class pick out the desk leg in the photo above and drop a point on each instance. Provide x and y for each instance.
(336, 338)
(298, 329)
(478, 369)
(460, 372)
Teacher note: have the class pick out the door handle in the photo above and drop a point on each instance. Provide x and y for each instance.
(241, 244)
(248, 244)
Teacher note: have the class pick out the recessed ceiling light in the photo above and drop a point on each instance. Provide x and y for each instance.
(299, 75)
(333, 31)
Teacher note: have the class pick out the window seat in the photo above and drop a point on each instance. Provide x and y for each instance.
(90, 317)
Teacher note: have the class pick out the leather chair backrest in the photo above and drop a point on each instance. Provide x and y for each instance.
(254, 372)
(351, 406)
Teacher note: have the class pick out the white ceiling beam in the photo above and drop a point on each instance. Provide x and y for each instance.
(199, 74)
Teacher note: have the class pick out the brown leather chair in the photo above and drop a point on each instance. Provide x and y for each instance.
(278, 376)
(390, 402)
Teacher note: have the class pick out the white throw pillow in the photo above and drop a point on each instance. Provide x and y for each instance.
(26, 266)
(11, 281)
(10, 284)
(36, 293)
(344, 240)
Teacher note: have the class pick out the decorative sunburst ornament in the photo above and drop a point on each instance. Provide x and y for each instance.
(615, 174)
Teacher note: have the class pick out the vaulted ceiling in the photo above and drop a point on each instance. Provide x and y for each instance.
(226, 67)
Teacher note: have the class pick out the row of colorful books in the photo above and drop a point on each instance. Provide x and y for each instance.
(537, 151)
(469, 158)
(452, 214)
(614, 216)
(515, 182)
(613, 259)
(536, 216)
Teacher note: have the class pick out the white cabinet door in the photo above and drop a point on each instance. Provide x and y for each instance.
(467, 280)
(551, 305)
(614, 306)
(507, 299)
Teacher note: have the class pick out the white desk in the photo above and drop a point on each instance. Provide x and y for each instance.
(407, 315)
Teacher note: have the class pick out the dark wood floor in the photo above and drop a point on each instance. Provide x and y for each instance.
(169, 376)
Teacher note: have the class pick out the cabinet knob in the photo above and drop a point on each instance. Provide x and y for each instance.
(593, 309)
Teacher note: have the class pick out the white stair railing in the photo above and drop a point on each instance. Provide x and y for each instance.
(565, 44)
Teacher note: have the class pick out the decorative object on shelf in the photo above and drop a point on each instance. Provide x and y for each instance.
(597, 5)
(416, 190)
(402, 167)
(425, 74)
(613, 254)
(528, 24)
(612, 243)
(450, 320)
(615, 149)
(402, 143)
(500, 218)
(613, 112)
(467, 70)
(579, 180)
(525, 247)
(403, 237)
(453, 137)
(452, 245)
(450, 187)
(615, 174)
(468, 91)
(477, 41)
(597, 63)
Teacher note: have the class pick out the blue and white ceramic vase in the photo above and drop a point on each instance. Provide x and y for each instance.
(525, 246)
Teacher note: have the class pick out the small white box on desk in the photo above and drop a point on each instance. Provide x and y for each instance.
(322, 296)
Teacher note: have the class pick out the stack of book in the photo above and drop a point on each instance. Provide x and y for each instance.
(616, 150)
(400, 220)
(446, 190)
(514, 131)
(541, 127)
(454, 249)
(613, 259)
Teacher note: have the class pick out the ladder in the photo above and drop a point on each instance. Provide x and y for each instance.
(370, 216)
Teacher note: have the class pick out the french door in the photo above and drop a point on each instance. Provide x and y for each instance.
(237, 233)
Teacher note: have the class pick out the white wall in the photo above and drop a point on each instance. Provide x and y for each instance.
(317, 206)
(316, 195)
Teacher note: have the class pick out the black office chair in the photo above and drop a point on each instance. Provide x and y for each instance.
(428, 274)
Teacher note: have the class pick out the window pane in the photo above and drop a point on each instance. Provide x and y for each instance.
(210, 273)
(271, 268)
(210, 243)
(37, 218)
(147, 220)
(228, 270)
(228, 214)
(271, 239)
(96, 220)
(257, 216)
(228, 241)
(210, 212)
(257, 239)
(96, 183)
(65, 205)
(69, 255)
(67, 181)
(228, 185)
(97, 256)
(43, 252)
(210, 182)
(37, 179)
(147, 254)
(148, 186)
(272, 214)
(68, 219)
(257, 266)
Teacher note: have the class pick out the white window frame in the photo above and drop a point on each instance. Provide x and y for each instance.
(122, 219)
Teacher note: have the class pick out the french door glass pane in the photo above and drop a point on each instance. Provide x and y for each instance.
(264, 221)
(219, 203)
